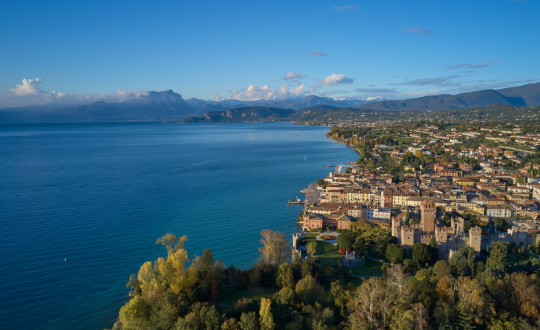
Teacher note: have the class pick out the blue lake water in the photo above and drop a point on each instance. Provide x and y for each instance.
(99, 194)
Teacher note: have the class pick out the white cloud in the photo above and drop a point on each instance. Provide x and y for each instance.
(29, 86)
(253, 93)
(332, 80)
(284, 91)
(29, 93)
(293, 75)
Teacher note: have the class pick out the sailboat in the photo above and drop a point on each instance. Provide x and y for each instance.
(305, 156)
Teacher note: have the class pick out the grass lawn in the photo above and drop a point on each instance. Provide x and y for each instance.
(311, 237)
(328, 254)
(516, 257)
(373, 268)
(253, 292)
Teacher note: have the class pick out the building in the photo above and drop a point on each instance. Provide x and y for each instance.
(499, 210)
(453, 238)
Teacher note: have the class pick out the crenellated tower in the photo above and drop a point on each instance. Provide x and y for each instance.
(428, 213)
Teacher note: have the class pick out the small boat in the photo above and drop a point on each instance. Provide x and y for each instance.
(305, 156)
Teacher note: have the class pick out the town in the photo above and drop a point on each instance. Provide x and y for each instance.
(466, 185)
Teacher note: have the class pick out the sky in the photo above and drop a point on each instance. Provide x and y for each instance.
(75, 51)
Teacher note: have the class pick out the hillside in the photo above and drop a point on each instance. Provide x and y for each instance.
(248, 114)
(166, 105)
(521, 96)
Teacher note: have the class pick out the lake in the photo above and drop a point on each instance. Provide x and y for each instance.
(81, 205)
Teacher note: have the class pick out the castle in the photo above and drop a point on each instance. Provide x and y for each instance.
(453, 238)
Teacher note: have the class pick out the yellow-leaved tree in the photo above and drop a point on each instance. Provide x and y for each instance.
(276, 249)
(266, 320)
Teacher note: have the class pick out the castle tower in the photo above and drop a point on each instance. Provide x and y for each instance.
(475, 239)
(441, 235)
(457, 226)
(407, 239)
(428, 212)
(520, 236)
(395, 226)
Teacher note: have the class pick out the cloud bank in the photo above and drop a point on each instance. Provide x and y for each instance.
(317, 54)
(332, 80)
(293, 75)
(30, 93)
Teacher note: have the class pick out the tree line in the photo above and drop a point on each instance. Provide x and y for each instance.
(421, 292)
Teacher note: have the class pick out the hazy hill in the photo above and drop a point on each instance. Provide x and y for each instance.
(166, 105)
(522, 96)
(249, 114)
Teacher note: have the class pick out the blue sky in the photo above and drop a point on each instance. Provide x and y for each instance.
(394, 49)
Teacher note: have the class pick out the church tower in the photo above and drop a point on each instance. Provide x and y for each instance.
(428, 215)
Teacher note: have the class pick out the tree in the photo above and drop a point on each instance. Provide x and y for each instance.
(442, 268)
(320, 182)
(307, 289)
(463, 260)
(398, 279)
(421, 254)
(309, 267)
(276, 249)
(312, 248)
(172, 242)
(463, 319)
(206, 261)
(248, 321)
(418, 154)
(395, 253)
(285, 296)
(407, 218)
(164, 313)
(266, 319)
(285, 276)
(134, 314)
(433, 244)
(373, 301)
(230, 324)
(215, 290)
(497, 256)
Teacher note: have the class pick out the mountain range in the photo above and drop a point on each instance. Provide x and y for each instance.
(170, 106)
(521, 96)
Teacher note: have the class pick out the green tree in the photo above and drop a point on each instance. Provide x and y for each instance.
(248, 321)
(311, 248)
(164, 313)
(433, 245)
(308, 290)
(395, 253)
(285, 276)
(462, 261)
(463, 320)
(285, 296)
(497, 256)
(407, 218)
(134, 314)
(442, 268)
(206, 261)
(421, 254)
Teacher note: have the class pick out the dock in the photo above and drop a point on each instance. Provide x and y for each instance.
(296, 201)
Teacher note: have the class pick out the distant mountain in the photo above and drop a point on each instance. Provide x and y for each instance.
(248, 114)
(522, 96)
(166, 105)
